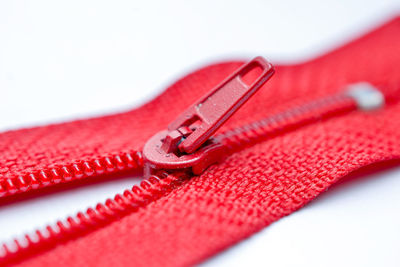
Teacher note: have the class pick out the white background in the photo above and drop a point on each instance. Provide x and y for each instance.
(73, 59)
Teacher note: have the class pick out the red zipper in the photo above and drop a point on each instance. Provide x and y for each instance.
(171, 157)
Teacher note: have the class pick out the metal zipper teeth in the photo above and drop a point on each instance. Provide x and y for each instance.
(66, 173)
(281, 123)
(158, 186)
(121, 205)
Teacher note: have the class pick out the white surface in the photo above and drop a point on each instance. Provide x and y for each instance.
(63, 60)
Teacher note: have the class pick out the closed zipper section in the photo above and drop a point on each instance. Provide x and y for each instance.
(281, 123)
(163, 182)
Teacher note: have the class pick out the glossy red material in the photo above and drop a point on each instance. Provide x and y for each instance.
(208, 114)
(197, 162)
(184, 144)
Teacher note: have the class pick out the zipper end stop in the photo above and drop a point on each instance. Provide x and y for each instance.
(367, 96)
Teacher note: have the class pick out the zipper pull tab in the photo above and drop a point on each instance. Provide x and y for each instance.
(187, 144)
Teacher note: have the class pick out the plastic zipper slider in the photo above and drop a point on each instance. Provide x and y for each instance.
(187, 144)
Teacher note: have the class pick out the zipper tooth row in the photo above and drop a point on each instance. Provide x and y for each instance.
(66, 173)
(121, 205)
(241, 137)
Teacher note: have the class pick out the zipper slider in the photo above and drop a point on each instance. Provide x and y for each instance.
(187, 144)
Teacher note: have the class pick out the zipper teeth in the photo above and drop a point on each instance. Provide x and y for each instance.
(121, 205)
(161, 184)
(286, 121)
(66, 173)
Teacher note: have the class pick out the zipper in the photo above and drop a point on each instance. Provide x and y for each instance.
(170, 158)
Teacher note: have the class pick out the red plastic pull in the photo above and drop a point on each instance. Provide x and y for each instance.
(179, 147)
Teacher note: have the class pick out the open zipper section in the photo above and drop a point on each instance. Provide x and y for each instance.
(71, 172)
(161, 180)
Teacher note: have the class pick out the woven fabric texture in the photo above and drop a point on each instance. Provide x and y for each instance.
(251, 188)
